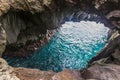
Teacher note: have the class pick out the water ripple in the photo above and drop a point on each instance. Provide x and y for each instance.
(71, 47)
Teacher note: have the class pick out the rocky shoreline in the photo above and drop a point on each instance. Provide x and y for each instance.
(29, 24)
(98, 71)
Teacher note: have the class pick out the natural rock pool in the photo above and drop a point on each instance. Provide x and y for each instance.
(72, 46)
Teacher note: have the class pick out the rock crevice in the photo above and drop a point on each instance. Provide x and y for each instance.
(27, 25)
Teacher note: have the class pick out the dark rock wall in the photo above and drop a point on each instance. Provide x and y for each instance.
(25, 20)
(28, 21)
(27, 25)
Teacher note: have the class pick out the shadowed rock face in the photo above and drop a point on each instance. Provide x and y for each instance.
(29, 24)
(30, 34)
(28, 21)
(2, 40)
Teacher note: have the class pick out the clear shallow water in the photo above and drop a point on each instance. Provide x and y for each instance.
(71, 47)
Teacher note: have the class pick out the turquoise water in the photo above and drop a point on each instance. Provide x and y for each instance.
(72, 46)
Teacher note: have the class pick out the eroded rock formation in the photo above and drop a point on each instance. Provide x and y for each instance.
(95, 72)
(102, 72)
(7, 72)
(28, 24)
(34, 17)
(3, 40)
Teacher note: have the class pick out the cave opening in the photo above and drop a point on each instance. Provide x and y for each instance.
(72, 46)
(78, 49)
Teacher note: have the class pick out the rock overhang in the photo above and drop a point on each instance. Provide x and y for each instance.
(36, 17)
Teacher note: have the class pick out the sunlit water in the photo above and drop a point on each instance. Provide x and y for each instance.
(72, 46)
